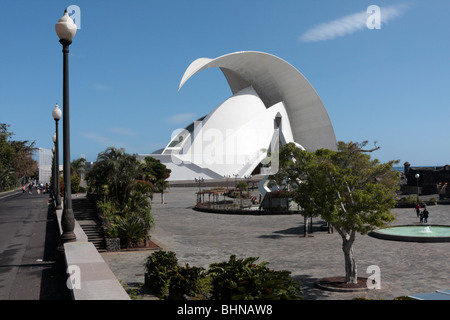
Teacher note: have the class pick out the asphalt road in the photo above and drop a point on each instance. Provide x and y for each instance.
(28, 241)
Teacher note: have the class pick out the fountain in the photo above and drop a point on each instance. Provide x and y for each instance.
(414, 233)
(427, 229)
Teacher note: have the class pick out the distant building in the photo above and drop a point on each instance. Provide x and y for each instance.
(430, 180)
(45, 159)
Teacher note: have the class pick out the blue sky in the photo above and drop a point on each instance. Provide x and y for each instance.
(390, 85)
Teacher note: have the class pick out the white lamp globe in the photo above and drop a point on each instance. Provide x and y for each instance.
(65, 28)
(56, 113)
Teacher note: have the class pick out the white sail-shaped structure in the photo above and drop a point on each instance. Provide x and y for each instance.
(272, 102)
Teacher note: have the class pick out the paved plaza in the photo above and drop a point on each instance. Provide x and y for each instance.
(200, 239)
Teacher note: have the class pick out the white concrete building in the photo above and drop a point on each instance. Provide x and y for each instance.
(272, 103)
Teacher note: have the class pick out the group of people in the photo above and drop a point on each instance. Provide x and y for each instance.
(39, 188)
(422, 215)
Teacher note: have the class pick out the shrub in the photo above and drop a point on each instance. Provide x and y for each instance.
(410, 201)
(403, 298)
(187, 282)
(236, 279)
(131, 229)
(75, 183)
(158, 271)
(242, 279)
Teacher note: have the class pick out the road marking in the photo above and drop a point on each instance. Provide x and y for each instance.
(9, 195)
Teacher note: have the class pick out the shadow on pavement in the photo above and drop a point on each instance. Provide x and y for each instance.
(53, 283)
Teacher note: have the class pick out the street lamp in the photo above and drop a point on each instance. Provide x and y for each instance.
(66, 29)
(226, 177)
(199, 180)
(56, 113)
(248, 178)
(235, 179)
(53, 168)
(417, 180)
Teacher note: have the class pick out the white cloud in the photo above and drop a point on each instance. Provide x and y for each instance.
(181, 118)
(102, 140)
(349, 24)
(101, 87)
(122, 131)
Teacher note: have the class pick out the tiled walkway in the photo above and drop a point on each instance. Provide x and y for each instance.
(203, 238)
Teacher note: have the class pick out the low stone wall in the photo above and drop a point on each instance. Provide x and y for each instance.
(243, 211)
(89, 276)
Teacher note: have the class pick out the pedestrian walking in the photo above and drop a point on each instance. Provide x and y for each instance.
(23, 189)
(30, 188)
(421, 217)
(425, 215)
(418, 210)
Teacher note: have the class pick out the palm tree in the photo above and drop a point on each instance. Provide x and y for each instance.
(105, 172)
(78, 166)
(160, 186)
(116, 176)
(241, 185)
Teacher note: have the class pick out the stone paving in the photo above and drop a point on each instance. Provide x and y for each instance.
(201, 238)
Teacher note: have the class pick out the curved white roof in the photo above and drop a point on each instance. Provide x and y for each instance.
(275, 80)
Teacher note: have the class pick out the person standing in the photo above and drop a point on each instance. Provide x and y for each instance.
(425, 215)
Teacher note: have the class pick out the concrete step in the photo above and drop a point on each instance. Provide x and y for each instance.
(85, 213)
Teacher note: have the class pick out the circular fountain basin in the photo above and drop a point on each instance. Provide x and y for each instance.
(414, 233)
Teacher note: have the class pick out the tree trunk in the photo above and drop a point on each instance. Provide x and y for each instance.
(351, 275)
(306, 226)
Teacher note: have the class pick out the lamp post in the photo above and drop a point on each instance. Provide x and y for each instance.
(66, 29)
(248, 178)
(53, 169)
(199, 180)
(56, 113)
(417, 180)
(226, 177)
(235, 179)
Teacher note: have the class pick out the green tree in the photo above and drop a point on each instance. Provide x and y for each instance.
(156, 173)
(116, 178)
(160, 186)
(78, 166)
(16, 162)
(75, 183)
(116, 174)
(345, 187)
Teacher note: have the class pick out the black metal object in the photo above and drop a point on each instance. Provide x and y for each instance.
(56, 174)
(67, 219)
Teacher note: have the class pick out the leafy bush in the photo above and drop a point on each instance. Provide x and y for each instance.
(242, 279)
(158, 271)
(123, 182)
(188, 281)
(75, 183)
(409, 201)
(236, 279)
(131, 229)
(403, 298)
